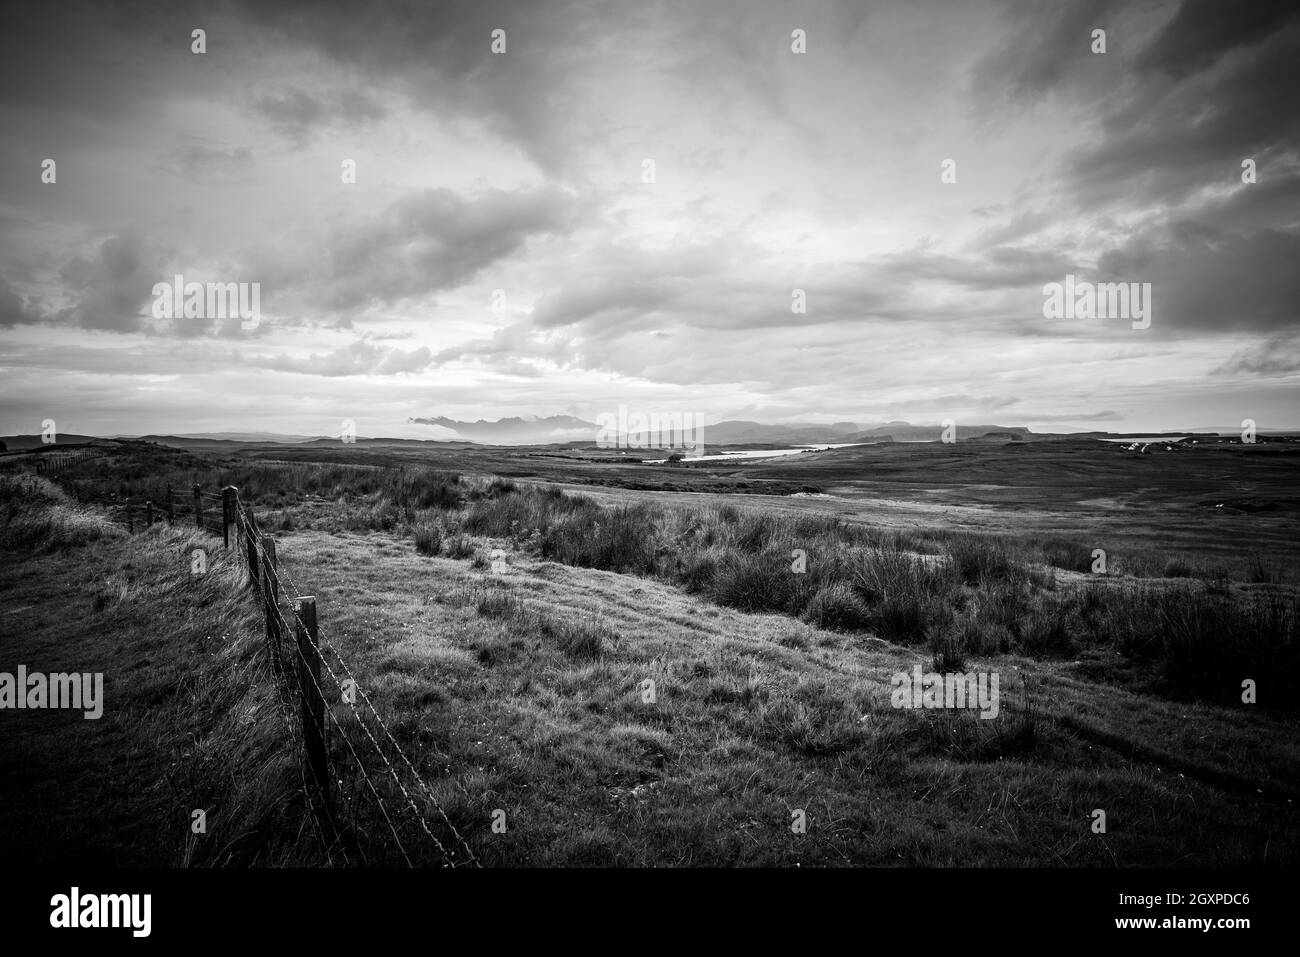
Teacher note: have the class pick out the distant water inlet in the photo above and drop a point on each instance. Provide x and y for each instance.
(651, 430)
(1148, 439)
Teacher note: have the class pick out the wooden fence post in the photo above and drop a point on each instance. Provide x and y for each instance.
(313, 704)
(271, 603)
(130, 519)
(198, 506)
(148, 512)
(251, 535)
(171, 507)
(229, 498)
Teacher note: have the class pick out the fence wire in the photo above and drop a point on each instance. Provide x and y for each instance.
(207, 511)
(284, 584)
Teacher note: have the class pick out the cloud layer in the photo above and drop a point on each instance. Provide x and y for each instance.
(650, 203)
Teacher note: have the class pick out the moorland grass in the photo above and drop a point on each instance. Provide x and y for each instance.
(978, 593)
(526, 692)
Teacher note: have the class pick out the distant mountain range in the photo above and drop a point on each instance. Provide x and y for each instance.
(20, 443)
(278, 437)
(514, 430)
(568, 429)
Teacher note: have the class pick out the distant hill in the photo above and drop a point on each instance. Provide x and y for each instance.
(739, 432)
(906, 432)
(234, 438)
(276, 437)
(568, 429)
(515, 430)
(559, 429)
(21, 443)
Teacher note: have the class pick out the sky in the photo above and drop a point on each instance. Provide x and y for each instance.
(626, 203)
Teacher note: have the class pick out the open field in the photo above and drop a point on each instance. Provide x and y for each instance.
(505, 609)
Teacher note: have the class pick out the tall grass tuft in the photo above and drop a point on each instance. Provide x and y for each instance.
(428, 539)
(1069, 555)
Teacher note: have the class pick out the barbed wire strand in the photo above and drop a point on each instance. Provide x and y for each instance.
(346, 739)
(378, 720)
(296, 739)
(215, 525)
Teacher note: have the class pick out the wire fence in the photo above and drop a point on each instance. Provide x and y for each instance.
(342, 687)
(349, 749)
(52, 460)
(361, 738)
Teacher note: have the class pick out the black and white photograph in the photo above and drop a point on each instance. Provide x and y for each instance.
(586, 439)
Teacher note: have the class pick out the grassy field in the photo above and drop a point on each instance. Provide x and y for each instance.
(649, 678)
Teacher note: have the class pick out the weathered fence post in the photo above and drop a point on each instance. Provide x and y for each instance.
(198, 506)
(130, 519)
(148, 512)
(171, 507)
(251, 535)
(271, 603)
(313, 704)
(229, 498)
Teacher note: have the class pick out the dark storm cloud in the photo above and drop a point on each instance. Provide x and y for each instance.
(439, 57)
(1272, 201)
(296, 114)
(421, 243)
(1204, 30)
(432, 240)
(112, 288)
(1169, 141)
(1209, 280)
(15, 309)
(1216, 84)
(105, 61)
(32, 76)
(1046, 43)
(1210, 88)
